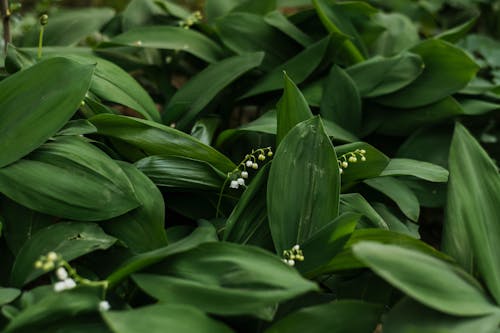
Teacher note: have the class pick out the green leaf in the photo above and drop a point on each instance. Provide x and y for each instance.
(399, 33)
(250, 214)
(226, 279)
(244, 32)
(326, 243)
(379, 76)
(68, 27)
(297, 68)
(471, 231)
(170, 38)
(455, 34)
(399, 192)
(375, 163)
(430, 281)
(341, 102)
(136, 263)
(157, 139)
(304, 185)
(69, 239)
(24, 127)
(46, 182)
(281, 22)
(447, 70)
(356, 203)
(409, 316)
(161, 318)
(396, 221)
(7, 295)
(141, 229)
(53, 307)
(346, 260)
(201, 89)
(181, 172)
(292, 109)
(420, 169)
(335, 317)
(77, 127)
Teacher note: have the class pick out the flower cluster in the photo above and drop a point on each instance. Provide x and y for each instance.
(67, 276)
(293, 255)
(191, 20)
(351, 157)
(238, 175)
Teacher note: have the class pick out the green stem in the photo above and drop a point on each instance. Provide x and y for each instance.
(40, 42)
(220, 197)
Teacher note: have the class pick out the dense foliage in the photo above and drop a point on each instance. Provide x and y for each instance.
(256, 166)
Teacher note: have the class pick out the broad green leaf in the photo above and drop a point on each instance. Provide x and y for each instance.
(447, 70)
(304, 185)
(78, 127)
(396, 220)
(220, 8)
(69, 26)
(341, 101)
(435, 283)
(205, 128)
(356, 203)
(244, 32)
(399, 33)
(201, 89)
(267, 123)
(455, 34)
(7, 295)
(139, 13)
(157, 139)
(471, 231)
(380, 76)
(69, 239)
(226, 279)
(46, 182)
(20, 223)
(162, 318)
(420, 169)
(173, 9)
(346, 260)
(136, 263)
(409, 316)
(281, 22)
(297, 68)
(375, 163)
(404, 122)
(170, 38)
(474, 107)
(292, 109)
(181, 172)
(56, 87)
(141, 229)
(335, 317)
(326, 243)
(77, 324)
(399, 193)
(250, 214)
(53, 307)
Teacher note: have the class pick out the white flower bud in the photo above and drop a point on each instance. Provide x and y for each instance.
(249, 163)
(52, 256)
(363, 158)
(104, 306)
(255, 166)
(69, 283)
(353, 159)
(61, 273)
(345, 164)
(240, 181)
(262, 157)
(59, 286)
(244, 174)
(234, 184)
(296, 247)
(291, 262)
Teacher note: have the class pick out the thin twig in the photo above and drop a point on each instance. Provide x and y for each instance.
(5, 13)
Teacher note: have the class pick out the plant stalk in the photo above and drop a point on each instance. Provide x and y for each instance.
(5, 13)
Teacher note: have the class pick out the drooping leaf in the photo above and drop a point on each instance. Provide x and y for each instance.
(399, 34)
(163, 317)
(435, 283)
(77, 127)
(46, 182)
(471, 230)
(141, 229)
(335, 317)
(456, 33)
(281, 22)
(447, 70)
(69, 239)
(420, 169)
(181, 172)
(201, 89)
(170, 38)
(225, 278)
(304, 185)
(356, 203)
(399, 193)
(157, 139)
(7, 295)
(56, 87)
